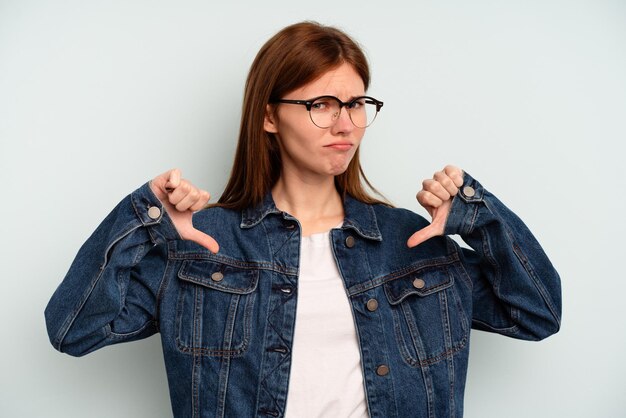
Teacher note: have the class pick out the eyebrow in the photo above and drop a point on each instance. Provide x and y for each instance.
(332, 95)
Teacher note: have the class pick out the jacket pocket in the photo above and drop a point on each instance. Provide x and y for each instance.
(214, 308)
(428, 317)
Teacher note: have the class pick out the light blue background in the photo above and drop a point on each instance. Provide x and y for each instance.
(97, 97)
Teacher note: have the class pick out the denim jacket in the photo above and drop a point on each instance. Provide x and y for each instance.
(227, 320)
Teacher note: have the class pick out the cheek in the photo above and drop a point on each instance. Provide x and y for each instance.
(300, 133)
(300, 139)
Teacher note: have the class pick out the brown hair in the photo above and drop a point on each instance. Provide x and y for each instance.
(295, 56)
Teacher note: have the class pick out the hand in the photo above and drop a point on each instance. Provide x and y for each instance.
(181, 199)
(436, 197)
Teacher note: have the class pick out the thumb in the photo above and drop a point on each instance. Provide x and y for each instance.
(422, 235)
(436, 227)
(203, 239)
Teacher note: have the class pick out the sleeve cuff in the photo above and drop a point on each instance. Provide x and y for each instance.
(465, 206)
(151, 213)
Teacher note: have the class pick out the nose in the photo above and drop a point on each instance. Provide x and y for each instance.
(344, 124)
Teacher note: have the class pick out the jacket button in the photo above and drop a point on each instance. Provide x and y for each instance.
(469, 191)
(372, 305)
(217, 276)
(154, 212)
(419, 283)
(350, 242)
(382, 370)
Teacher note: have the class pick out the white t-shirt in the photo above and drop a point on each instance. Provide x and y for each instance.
(326, 378)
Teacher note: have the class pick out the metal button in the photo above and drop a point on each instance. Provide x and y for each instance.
(217, 276)
(419, 283)
(154, 212)
(350, 242)
(382, 370)
(372, 305)
(469, 191)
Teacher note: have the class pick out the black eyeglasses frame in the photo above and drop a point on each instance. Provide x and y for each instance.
(309, 104)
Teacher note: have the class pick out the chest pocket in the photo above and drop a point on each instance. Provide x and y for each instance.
(214, 308)
(429, 320)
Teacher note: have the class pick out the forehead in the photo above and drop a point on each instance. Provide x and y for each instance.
(343, 82)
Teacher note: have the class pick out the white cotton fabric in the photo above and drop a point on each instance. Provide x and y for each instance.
(326, 379)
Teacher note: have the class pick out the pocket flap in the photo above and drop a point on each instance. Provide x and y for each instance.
(420, 282)
(219, 276)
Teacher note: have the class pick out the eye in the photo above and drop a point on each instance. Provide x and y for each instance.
(320, 105)
(357, 104)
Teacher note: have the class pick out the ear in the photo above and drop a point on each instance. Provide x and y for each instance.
(269, 123)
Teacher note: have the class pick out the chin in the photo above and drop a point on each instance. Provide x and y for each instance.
(340, 167)
(336, 171)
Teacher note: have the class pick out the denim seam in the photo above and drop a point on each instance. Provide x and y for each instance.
(370, 284)
(67, 324)
(465, 276)
(173, 255)
(407, 292)
(497, 276)
(199, 349)
(195, 382)
(472, 216)
(460, 309)
(420, 352)
(163, 285)
(531, 273)
(184, 275)
(400, 339)
(508, 330)
(124, 335)
(225, 363)
(447, 332)
(264, 394)
(415, 337)
(287, 239)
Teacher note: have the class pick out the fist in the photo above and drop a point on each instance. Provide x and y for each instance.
(436, 197)
(181, 199)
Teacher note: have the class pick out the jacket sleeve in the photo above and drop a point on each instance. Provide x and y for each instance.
(516, 290)
(109, 294)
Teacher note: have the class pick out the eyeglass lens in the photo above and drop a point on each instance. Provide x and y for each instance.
(326, 110)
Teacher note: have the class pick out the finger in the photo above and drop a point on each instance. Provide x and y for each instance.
(180, 192)
(202, 201)
(428, 199)
(173, 180)
(188, 200)
(159, 184)
(446, 182)
(421, 236)
(440, 190)
(195, 200)
(455, 173)
(203, 239)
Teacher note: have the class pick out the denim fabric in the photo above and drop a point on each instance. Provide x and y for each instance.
(227, 320)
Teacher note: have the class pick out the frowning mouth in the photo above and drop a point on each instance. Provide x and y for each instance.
(340, 146)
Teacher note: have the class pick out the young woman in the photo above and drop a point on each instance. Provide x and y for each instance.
(299, 293)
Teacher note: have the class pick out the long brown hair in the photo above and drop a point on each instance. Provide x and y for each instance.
(295, 56)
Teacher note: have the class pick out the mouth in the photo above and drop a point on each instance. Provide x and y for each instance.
(340, 145)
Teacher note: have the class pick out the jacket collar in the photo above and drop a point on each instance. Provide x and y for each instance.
(359, 216)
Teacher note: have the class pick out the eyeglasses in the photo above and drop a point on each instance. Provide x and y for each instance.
(325, 110)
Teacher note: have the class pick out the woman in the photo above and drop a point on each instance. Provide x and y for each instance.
(306, 296)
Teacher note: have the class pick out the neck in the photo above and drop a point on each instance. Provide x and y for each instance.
(315, 203)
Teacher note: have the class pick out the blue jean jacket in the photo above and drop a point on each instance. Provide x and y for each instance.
(227, 320)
